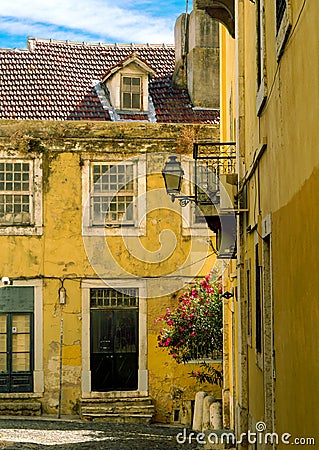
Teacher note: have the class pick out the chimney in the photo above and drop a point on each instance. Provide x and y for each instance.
(181, 48)
(197, 58)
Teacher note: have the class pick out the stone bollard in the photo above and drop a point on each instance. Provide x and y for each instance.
(198, 411)
(208, 401)
(216, 416)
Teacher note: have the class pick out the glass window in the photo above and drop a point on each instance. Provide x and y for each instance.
(108, 297)
(112, 194)
(15, 192)
(281, 6)
(131, 93)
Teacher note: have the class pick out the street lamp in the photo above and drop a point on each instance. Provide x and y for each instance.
(173, 176)
(214, 172)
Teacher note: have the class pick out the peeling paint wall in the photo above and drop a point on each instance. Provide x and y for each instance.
(59, 255)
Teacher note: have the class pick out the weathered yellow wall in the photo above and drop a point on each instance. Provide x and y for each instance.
(170, 383)
(60, 253)
(284, 184)
(296, 266)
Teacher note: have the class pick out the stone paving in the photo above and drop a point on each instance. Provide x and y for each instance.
(45, 434)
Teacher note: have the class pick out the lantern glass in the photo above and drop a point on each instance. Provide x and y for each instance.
(173, 175)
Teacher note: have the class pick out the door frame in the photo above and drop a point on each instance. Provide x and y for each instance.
(142, 335)
(38, 371)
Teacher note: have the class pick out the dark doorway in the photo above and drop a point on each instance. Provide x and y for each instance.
(114, 342)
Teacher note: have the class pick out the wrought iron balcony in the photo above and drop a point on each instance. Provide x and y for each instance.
(215, 177)
(215, 188)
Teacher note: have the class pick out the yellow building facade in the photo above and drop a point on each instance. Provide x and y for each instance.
(83, 282)
(269, 101)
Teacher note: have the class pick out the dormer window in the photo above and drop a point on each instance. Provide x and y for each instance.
(127, 85)
(131, 93)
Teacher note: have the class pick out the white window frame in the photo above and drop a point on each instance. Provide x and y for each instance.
(88, 284)
(131, 76)
(36, 216)
(111, 194)
(262, 90)
(137, 228)
(284, 29)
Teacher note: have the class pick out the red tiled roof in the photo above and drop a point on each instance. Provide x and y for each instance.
(55, 80)
(173, 105)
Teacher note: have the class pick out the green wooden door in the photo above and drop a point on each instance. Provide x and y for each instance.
(16, 339)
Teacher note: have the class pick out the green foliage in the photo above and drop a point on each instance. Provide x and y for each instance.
(193, 328)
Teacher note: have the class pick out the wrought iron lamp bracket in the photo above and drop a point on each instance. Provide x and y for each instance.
(183, 199)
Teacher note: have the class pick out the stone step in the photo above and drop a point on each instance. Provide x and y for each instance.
(118, 400)
(119, 418)
(119, 409)
(20, 407)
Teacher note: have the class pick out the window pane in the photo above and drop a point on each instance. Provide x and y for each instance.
(3, 343)
(125, 333)
(127, 82)
(101, 331)
(3, 362)
(20, 342)
(136, 101)
(136, 81)
(20, 362)
(126, 100)
(21, 322)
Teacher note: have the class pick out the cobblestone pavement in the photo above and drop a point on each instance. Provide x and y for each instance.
(75, 434)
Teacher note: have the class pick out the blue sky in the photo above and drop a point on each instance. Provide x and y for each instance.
(109, 21)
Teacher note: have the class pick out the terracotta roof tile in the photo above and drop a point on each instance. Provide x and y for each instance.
(54, 80)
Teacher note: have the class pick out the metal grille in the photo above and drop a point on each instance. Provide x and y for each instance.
(113, 192)
(212, 161)
(197, 353)
(15, 192)
(112, 298)
(281, 6)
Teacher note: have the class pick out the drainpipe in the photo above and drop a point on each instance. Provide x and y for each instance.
(61, 368)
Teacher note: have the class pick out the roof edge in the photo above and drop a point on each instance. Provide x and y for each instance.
(32, 41)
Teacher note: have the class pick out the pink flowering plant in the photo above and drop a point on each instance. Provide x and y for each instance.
(193, 328)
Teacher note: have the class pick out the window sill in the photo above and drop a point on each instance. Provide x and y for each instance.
(131, 230)
(21, 230)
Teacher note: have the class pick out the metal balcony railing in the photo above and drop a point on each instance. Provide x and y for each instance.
(213, 162)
